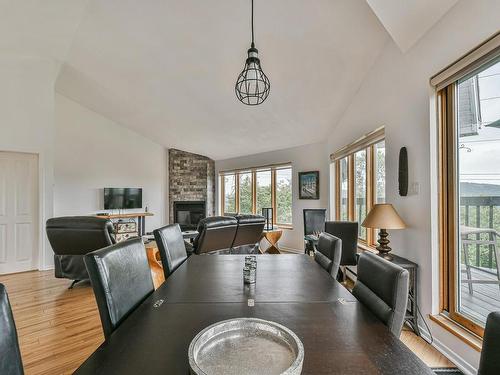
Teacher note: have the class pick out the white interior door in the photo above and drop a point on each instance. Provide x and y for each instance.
(18, 212)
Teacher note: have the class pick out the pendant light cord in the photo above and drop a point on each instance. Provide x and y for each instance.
(253, 44)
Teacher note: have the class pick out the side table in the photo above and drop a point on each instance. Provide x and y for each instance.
(272, 236)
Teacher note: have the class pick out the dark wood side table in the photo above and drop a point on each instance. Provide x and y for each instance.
(411, 309)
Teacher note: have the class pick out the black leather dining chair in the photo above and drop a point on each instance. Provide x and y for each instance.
(490, 359)
(10, 355)
(171, 246)
(328, 253)
(382, 287)
(71, 237)
(347, 231)
(121, 280)
(314, 223)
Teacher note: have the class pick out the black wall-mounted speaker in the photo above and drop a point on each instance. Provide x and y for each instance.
(403, 172)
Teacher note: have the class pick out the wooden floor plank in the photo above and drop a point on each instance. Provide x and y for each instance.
(59, 328)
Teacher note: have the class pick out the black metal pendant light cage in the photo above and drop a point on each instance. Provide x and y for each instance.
(252, 86)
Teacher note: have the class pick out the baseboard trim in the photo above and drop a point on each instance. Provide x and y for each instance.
(291, 250)
(462, 365)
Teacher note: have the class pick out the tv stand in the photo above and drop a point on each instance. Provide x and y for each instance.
(141, 219)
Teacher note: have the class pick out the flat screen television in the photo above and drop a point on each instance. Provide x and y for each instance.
(122, 198)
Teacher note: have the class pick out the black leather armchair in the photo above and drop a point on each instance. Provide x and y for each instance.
(215, 233)
(382, 287)
(248, 234)
(10, 356)
(121, 279)
(72, 237)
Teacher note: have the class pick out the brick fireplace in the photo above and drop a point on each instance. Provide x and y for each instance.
(191, 187)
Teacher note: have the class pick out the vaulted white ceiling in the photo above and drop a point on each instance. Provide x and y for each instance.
(167, 68)
(408, 20)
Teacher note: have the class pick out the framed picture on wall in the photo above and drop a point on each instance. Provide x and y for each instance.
(309, 185)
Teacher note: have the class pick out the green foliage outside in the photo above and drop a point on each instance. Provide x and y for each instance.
(246, 193)
(283, 198)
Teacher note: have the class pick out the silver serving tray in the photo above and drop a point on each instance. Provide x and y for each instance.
(246, 346)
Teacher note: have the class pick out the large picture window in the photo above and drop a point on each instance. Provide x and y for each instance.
(360, 181)
(249, 191)
(469, 138)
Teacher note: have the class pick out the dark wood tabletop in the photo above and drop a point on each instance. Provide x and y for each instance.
(283, 278)
(340, 336)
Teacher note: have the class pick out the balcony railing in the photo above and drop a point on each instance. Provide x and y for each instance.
(481, 212)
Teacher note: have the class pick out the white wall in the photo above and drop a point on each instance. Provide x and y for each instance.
(27, 125)
(396, 93)
(303, 158)
(93, 152)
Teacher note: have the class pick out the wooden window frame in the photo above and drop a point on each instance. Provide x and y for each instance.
(371, 189)
(448, 209)
(254, 171)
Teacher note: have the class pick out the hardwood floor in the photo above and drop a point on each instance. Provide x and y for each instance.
(59, 328)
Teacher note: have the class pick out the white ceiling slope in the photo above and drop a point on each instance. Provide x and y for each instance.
(408, 20)
(167, 69)
(39, 28)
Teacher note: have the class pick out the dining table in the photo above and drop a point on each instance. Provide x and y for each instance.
(339, 334)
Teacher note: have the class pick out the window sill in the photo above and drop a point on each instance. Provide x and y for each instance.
(284, 226)
(364, 247)
(457, 330)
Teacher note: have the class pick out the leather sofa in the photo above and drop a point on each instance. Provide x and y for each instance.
(248, 234)
(229, 234)
(72, 237)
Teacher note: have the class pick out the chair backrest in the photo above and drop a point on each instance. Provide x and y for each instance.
(10, 356)
(249, 231)
(121, 280)
(171, 246)
(78, 235)
(314, 220)
(347, 231)
(490, 359)
(328, 253)
(382, 287)
(215, 233)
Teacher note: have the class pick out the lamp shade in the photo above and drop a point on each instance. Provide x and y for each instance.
(383, 216)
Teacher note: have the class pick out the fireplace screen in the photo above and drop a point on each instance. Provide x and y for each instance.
(189, 214)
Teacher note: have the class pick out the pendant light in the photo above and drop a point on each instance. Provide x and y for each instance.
(252, 85)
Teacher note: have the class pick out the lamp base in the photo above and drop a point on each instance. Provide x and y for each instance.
(383, 242)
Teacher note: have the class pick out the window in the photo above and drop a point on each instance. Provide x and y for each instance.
(469, 132)
(284, 195)
(264, 198)
(360, 190)
(258, 188)
(343, 190)
(360, 181)
(245, 195)
(229, 193)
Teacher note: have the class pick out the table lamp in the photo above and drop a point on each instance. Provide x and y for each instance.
(383, 216)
